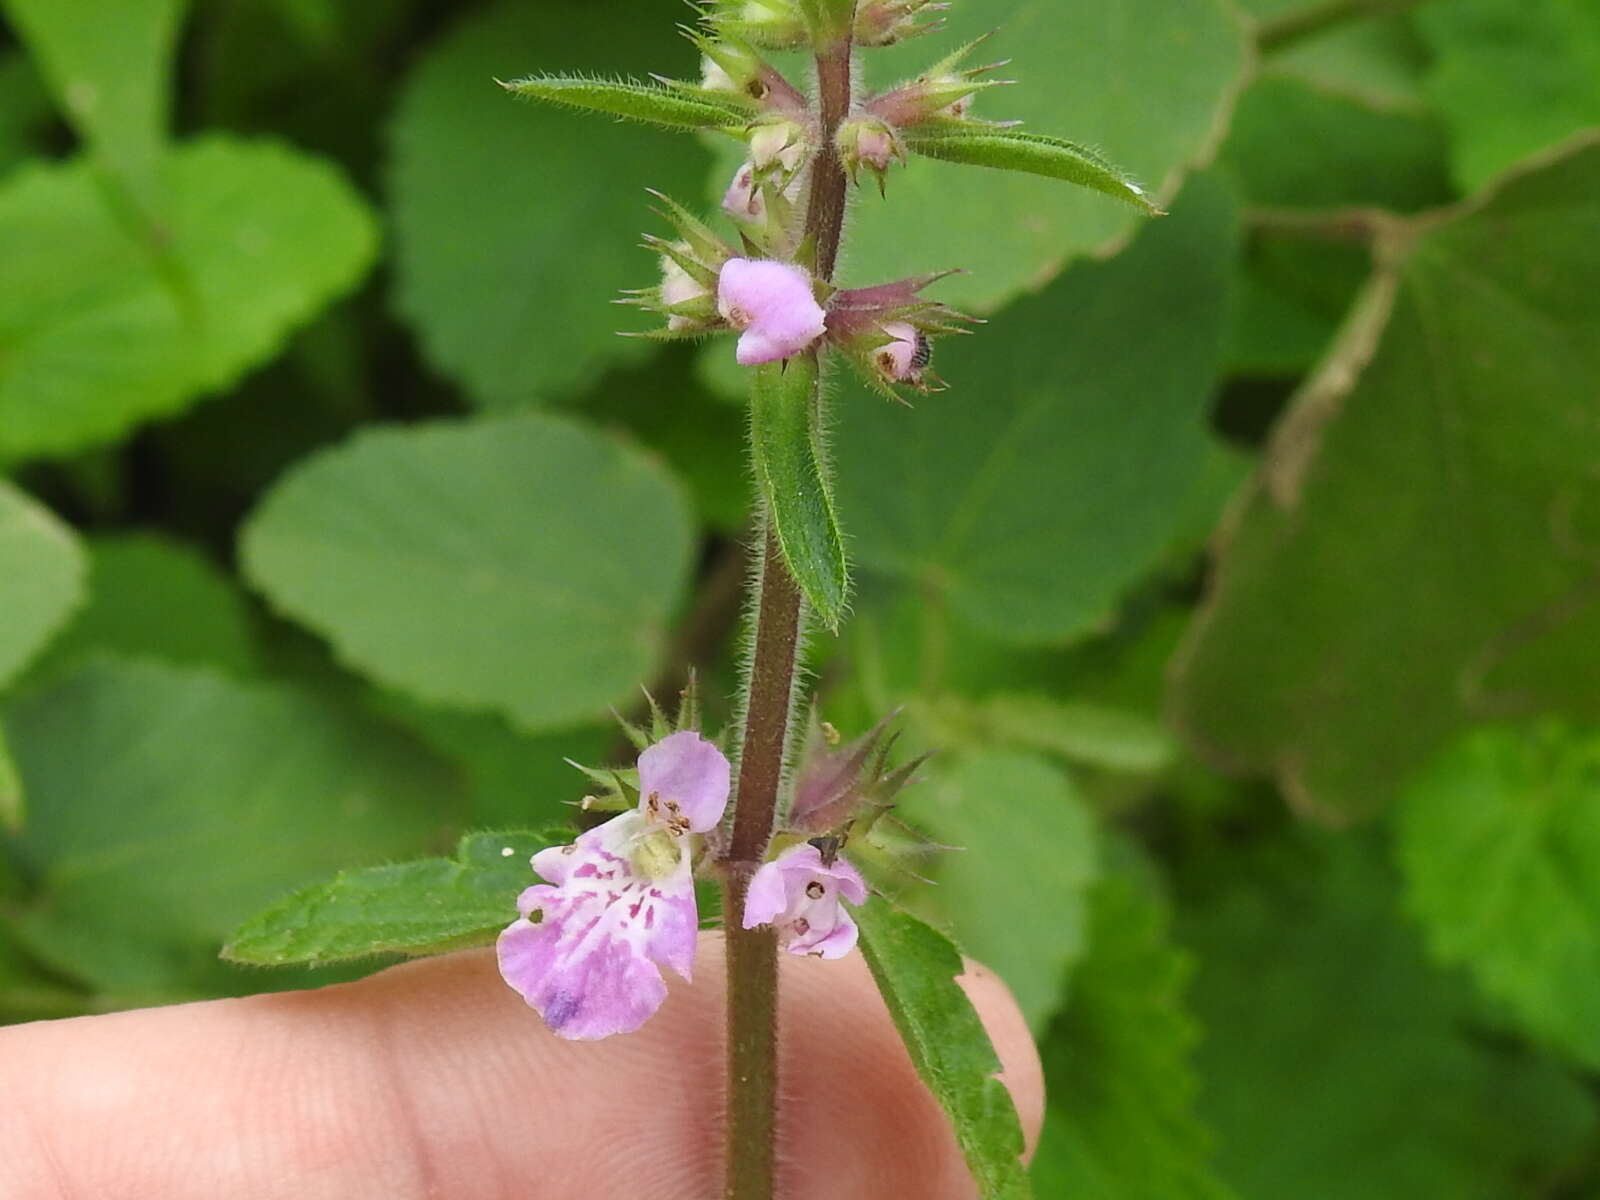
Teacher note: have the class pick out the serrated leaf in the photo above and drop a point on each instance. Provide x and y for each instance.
(1120, 1123)
(1336, 1065)
(916, 967)
(994, 806)
(166, 804)
(423, 907)
(153, 596)
(110, 68)
(1064, 459)
(93, 341)
(1499, 840)
(1031, 153)
(1146, 83)
(508, 278)
(792, 471)
(1419, 546)
(525, 564)
(41, 577)
(646, 103)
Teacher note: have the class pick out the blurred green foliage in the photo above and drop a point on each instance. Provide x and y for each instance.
(1245, 580)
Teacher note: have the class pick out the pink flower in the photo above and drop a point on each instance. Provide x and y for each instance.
(772, 304)
(744, 201)
(799, 893)
(902, 359)
(619, 902)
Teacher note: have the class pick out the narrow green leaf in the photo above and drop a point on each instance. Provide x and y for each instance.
(916, 969)
(422, 907)
(792, 470)
(645, 103)
(1032, 153)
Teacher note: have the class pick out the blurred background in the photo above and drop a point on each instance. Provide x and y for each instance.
(1246, 579)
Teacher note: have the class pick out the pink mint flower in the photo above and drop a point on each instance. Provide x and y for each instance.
(799, 893)
(772, 304)
(619, 902)
(902, 360)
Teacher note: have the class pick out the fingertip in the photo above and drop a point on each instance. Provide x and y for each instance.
(1020, 1068)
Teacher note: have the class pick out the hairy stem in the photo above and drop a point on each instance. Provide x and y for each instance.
(752, 1118)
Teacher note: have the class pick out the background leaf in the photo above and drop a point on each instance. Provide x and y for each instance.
(110, 67)
(1397, 572)
(1511, 79)
(41, 577)
(1335, 1064)
(422, 907)
(93, 340)
(463, 600)
(1120, 1121)
(916, 968)
(503, 275)
(165, 804)
(1036, 500)
(1499, 840)
(1148, 81)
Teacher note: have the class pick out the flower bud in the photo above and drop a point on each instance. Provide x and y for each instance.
(774, 24)
(680, 290)
(885, 22)
(868, 142)
(781, 145)
(744, 201)
(907, 353)
(943, 92)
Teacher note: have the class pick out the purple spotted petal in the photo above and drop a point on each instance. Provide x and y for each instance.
(800, 896)
(586, 952)
(686, 770)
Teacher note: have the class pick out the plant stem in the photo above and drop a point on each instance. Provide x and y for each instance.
(777, 643)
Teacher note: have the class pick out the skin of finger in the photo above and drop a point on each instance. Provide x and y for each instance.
(433, 1080)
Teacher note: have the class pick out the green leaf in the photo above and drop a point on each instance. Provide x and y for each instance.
(424, 907)
(1146, 83)
(524, 563)
(1062, 463)
(41, 577)
(1121, 1086)
(151, 596)
(25, 109)
(1079, 731)
(110, 68)
(1499, 840)
(12, 799)
(93, 341)
(646, 103)
(1032, 153)
(1511, 77)
(1294, 145)
(915, 967)
(1336, 1065)
(166, 804)
(791, 468)
(508, 279)
(1418, 547)
(995, 807)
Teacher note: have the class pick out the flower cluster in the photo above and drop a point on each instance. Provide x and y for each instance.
(618, 903)
(764, 287)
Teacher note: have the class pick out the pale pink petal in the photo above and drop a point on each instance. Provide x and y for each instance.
(686, 771)
(607, 989)
(772, 302)
(838, 941)
(898, 360)
(768, 896)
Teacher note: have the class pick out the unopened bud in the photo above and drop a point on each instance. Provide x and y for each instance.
(885, 22)
(743, 201)
(774, 24)
(779, 144)
(868, 142)
(678, 287)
